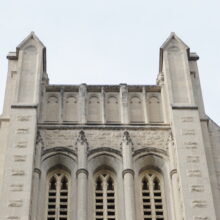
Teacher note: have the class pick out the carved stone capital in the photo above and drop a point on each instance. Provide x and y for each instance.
(128, 171)
(172, 172)
(82, 170)
(37, 170)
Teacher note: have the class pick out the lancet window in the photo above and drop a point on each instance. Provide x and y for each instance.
(105, 197)
(152, 196)
(58, 196)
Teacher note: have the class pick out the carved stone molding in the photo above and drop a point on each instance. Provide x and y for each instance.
(104, 149)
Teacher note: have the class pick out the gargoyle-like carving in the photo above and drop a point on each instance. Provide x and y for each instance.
(126, 138)
(82, 138)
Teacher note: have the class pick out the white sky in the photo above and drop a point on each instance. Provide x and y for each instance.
(114, 41)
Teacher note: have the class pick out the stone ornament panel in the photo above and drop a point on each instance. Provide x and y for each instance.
(105, 138)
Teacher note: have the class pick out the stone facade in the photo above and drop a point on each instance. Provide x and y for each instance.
(98, 152)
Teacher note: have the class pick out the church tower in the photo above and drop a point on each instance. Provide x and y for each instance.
(107, 152)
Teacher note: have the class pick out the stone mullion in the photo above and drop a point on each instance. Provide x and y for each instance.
(153, 211)
(105, 214)
(58, 198)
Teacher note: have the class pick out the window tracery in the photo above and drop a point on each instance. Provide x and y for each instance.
(105, 197)
(58, 193)
(152, 196)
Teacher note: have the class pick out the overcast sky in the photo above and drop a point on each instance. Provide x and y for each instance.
(114, 41)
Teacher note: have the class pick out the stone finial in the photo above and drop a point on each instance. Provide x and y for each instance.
(126, 138)
(81, 138)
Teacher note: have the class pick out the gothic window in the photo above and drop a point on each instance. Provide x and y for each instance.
(154, 110)
(104, 197)
(58, 193)
(152, 196)
(136, 110)
(112, 109)
(94, 109)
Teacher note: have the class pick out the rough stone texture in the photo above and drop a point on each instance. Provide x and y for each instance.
(125, 129)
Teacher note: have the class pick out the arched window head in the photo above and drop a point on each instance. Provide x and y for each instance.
(52, 109)
(58, 196)
(112, 109)
(104, 196)
(136, 110)
(154, 110)
(70, 108)
(152, 196)
(94, 109)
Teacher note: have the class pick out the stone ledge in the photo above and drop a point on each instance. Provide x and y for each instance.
(179, 107)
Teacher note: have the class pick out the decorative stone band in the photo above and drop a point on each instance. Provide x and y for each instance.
(82, 170)
(37, 170)
(128, 171)
(172, 172)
